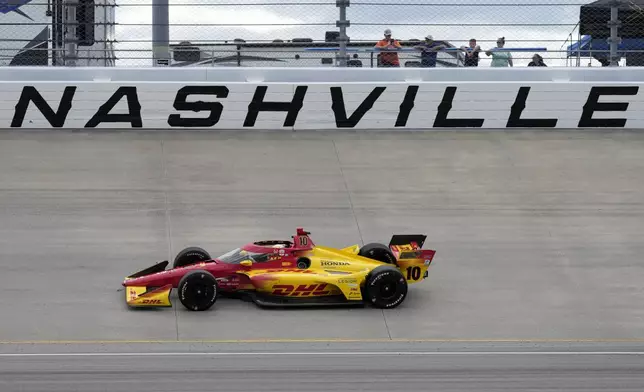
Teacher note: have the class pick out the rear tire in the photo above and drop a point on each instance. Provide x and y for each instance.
(378, 252)
(385, 287)
(198, 290)
(190, 256)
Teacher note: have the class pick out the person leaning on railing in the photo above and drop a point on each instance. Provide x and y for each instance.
(429, 49)
(500, 58)
(388, 59)
(471, 54)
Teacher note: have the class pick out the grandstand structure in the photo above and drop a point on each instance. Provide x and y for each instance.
(57, 33)
(298, 52)
(594, 31)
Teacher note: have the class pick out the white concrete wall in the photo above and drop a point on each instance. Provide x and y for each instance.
(486, 94)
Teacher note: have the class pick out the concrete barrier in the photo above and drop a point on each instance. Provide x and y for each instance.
(321, 98)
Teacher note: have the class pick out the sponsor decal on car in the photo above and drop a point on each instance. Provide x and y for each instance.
(291, 271)
(330, 263)
(151, 302)
(302, 290)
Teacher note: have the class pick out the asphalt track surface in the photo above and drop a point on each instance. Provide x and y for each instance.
(539, 239)
(324, 367)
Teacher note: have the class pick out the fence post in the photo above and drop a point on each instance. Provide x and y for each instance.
(160, 32)
(71, 40)
(614, 39)
(342, 23)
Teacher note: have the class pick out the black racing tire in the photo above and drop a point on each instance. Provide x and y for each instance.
(198, 290)
(190, 256)
(378, 252)
(385, 287)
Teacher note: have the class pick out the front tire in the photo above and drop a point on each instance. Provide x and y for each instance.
(198, 290)
(378, 252)
(385, 287)
(190, 256)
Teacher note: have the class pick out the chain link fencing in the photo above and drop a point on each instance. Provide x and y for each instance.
(309, 33)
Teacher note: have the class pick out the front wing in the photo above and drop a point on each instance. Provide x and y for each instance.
(142, 297)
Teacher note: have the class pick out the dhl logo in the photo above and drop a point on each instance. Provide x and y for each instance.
(302, 290)
(299, 271)
(151, 302)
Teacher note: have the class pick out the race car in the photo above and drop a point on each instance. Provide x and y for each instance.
(283, 273)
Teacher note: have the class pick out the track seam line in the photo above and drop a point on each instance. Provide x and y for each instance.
(386, 324)
(346, 187)
(355, 218)
(168, 223)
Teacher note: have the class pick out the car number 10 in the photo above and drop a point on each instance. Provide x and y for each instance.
(413, 273)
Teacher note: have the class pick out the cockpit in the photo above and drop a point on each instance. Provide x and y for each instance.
(238, 255)
(275, 244)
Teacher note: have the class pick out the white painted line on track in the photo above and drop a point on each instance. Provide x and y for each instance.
(345, 354)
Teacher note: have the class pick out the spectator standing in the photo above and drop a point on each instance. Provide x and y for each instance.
(471, 54)
(500, 58)
(388, 59)
(429, 49)
(537, 61)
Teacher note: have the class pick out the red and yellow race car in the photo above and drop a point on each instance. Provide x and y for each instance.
(287, 273)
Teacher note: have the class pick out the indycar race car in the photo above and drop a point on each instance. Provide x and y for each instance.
(287, 273)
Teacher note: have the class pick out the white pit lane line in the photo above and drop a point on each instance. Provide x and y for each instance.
(345, 354)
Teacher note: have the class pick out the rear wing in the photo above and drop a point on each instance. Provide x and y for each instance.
(409, 246)
(411, 259)
(416, 241)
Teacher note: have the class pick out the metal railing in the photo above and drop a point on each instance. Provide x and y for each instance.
(318, 33)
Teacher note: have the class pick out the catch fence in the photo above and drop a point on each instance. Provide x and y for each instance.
(317, 33)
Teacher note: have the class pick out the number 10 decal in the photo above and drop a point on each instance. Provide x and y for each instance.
(413, 273)
(304, 241)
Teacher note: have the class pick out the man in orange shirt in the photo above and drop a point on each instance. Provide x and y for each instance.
(388, 59)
